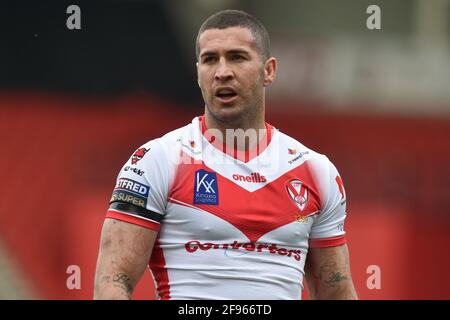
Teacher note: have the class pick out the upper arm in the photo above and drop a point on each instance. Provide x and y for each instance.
(128, 246)
(328, 275)
(125, 250)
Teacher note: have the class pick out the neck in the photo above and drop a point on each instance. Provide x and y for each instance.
(243, 133)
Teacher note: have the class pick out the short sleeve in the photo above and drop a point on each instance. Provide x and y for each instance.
(140, 193)
(328, 226)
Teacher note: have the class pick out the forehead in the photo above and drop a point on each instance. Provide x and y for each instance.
(226, 39)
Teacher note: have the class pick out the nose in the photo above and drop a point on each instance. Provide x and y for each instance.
(223, 71)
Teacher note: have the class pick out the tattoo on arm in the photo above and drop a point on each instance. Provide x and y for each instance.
(336, 277)
(329, 274)
(121, 280)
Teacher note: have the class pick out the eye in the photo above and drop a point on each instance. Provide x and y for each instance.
(237, 57)
(209, 59)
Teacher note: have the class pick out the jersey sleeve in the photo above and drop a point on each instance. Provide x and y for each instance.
(328, 227)
(140, 193)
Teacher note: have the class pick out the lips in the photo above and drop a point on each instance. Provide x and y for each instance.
(225, 94)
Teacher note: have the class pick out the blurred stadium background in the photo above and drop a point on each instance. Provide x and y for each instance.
(75, 104)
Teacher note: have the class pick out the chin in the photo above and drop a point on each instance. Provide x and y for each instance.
(228, 113)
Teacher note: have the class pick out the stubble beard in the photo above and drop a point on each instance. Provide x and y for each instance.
(248, 117)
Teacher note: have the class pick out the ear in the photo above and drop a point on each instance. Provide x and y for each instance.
(270, 71)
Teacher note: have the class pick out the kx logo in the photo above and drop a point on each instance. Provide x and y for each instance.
(205, 188)
(207, 185)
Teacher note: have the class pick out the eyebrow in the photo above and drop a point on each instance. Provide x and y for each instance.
(239, 51)
(233, 51)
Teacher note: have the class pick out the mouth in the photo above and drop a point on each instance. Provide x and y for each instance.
(226, 95)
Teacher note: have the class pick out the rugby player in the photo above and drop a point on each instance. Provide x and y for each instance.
(227, 207)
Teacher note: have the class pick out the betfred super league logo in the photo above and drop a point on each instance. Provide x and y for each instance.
(138, 155)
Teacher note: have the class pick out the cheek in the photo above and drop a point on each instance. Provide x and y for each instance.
(204, 88)
(201, 82)
(256, 73)
(202, 78)
(255, 79)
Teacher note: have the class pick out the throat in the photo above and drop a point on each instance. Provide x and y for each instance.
(234, 136)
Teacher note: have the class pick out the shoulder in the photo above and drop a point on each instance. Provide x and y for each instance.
(296, 149)
(164, 147)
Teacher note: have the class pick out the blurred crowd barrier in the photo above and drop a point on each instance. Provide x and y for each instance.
(60, 157)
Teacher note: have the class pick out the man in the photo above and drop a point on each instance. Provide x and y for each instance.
(227, 207)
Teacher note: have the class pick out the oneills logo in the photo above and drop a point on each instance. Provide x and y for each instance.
(254, 177)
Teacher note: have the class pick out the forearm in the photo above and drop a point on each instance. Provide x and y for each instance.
(112, 286)
(328, 274)
(337, 287)
(123, 257)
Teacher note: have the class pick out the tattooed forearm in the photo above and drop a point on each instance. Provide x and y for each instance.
(125, 250)
(121, 280)
(336, 277)
(328, 273)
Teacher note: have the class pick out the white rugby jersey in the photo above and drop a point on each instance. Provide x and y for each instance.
(232, 225)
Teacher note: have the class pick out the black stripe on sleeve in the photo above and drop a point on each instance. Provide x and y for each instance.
(136, 210)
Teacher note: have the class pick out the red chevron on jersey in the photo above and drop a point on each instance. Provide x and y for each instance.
(266, 209)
